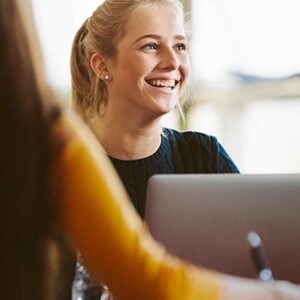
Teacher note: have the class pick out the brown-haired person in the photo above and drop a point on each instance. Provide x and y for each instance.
(56, 182)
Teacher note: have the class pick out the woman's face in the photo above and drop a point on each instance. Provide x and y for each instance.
(152, 64)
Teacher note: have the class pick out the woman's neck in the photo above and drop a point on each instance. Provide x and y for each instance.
(127, 140)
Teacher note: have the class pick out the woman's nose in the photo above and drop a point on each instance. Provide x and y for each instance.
(169, 60)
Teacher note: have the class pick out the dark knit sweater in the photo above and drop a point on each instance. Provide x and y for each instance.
(179, 152)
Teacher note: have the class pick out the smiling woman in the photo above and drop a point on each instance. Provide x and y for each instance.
(130, 66)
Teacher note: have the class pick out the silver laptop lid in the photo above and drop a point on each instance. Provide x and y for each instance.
(206, 218)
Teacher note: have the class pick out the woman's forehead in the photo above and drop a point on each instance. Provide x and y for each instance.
(156, 20)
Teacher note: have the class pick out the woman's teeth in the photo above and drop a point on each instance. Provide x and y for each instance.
(163, 83)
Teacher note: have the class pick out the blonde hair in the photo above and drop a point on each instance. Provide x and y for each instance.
(100, 34)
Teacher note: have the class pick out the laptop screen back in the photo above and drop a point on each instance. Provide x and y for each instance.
(205, 219)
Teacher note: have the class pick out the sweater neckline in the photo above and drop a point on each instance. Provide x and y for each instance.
(156, 157)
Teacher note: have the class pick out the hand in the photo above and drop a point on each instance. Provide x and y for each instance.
(237, 288)
(284, 290)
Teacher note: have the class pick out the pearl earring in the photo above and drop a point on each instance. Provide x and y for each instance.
(106, 77)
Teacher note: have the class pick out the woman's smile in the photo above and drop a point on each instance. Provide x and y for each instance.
(163, 83)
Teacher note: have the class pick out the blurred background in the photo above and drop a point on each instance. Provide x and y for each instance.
(245, 80)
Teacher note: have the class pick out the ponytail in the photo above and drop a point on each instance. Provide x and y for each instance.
(89, 93)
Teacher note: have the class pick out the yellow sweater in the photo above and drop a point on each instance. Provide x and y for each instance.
(113, 240)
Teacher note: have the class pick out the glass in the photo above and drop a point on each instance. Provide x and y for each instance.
(85, 288)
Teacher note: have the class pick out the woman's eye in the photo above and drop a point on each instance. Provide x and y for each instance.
(181, 47)
(150, 46)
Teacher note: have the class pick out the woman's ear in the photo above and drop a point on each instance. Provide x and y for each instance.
(98, 64)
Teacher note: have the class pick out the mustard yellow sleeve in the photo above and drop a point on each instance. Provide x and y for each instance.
(112, 239)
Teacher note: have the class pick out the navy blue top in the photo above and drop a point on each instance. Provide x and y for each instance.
(179, 152)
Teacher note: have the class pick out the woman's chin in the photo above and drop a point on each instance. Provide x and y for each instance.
(162, 110)
(164, 106)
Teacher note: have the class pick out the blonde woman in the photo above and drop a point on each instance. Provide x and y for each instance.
(130, 66)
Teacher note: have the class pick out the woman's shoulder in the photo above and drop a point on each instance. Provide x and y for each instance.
(201, 147)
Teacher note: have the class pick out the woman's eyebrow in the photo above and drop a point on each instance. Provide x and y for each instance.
(158, 37)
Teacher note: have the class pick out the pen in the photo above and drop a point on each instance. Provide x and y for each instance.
(264, 272)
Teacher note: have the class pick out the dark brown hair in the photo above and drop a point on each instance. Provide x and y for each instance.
(27, 209)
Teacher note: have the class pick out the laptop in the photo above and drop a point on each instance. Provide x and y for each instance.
(205, 219)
